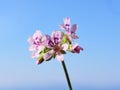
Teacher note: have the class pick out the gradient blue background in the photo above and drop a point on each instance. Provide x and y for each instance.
(99, 34)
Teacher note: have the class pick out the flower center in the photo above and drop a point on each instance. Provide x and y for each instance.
(57, 49)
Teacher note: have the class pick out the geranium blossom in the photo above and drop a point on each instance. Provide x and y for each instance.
(45, 47)
(55, 46)
(34, 41)
(66, 25)
(70, 30)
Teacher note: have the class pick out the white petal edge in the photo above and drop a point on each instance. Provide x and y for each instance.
(60, 57)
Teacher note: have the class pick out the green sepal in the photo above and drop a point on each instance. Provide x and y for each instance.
(69, 47)
(64, 39)
(63, 52)
(40, 57)
(46, 50)
(54, 55)
(40, 60)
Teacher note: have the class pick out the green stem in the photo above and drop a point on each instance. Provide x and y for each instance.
(67, 76)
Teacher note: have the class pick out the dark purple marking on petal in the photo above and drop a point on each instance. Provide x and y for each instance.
(67, 24)
(56, 40)
(50, 43)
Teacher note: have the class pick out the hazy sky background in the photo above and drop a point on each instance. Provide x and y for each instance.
(99, 35)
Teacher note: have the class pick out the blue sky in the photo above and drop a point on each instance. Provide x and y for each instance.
(99, 34)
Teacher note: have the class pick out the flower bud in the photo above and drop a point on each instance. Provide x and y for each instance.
(76, 48)
(39, 61)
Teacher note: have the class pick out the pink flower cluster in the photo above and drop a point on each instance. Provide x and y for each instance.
(46, 47)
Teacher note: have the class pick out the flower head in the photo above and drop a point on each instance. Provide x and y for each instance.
(45, 47)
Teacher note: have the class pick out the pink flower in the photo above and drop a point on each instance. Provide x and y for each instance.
(57, 37)
(66, 25)
(69, 29)
(47, 47)
(37, 35)
(76, 49)
(54, 44)
(34, 41)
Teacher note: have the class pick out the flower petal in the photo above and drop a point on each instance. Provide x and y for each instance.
(35, 54)
(67, 21)
(30, 40)
(57, 36)
(65, 46)
(48, 55)
(32, 48)
(74, 28)
(40, 48)
(45, 39)
(37, 35)
(69, 36)
(62, 27)
(60, 57)
(74, 36)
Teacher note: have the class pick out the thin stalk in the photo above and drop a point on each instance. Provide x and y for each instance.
(67, 76)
